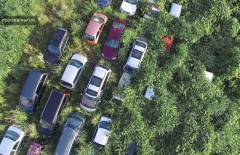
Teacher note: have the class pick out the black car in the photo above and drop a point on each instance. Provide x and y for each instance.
(70, 133)
(57, 46)
(56, 101)
(32, 91)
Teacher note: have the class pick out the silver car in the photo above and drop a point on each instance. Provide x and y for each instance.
(73, 71)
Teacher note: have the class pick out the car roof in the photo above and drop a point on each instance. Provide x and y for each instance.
(34, 149)
(66, 141)
(53, 106)
(93, 26)
(58, 36)
(31, 84)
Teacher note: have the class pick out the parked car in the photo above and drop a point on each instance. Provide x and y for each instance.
(129, 6)
(32, 91)
(73, 71)
(57, 46)
(104, 3)
(151, 9)
(11, 140)
(94, 28)
(95, 87)
(131, 148)
(70, 133)
(111, 45)
(102, 132)
(56, 101)
(136, 56)
(34, 149)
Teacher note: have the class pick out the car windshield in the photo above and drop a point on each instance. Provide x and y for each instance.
(119, 25)
(26, 102)
(131, 1)
(88, 37)
(75, 63)
(112, 43)
(45, 124)
(104, 125)
(136, 54)
(140, 44)
(12, 135)
(96, 81)
(54, 49)
(97, 19)
(91, 92)
(73, 123)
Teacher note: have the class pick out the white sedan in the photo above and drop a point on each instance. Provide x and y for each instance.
(129, 6)
(73, 71)
(11, 141)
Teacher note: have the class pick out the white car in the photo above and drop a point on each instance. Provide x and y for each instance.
(11, 141)
(95, 88)
(73, 71)
(129, 6)
(136, 56)
(102, 132)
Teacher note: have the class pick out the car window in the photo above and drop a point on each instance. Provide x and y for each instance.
(75, 63)
(66, 83)
(15, 146)
(104, 125)
(140, 44)
(112, 43)
(11, 135)
(137, 54)
(97, 19)
(25, 101)
(40, 85)
(76, 77)
(88, 37)
(73, 123)
(119, 25)
(54, 49)
(91, 92)
(96, 81)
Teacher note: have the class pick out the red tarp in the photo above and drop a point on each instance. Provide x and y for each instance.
(168, 41)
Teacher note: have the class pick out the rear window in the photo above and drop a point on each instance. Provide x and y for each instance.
(96, 81)
(88, 37)
(45, 124)
(91, 92)
(26, 102)
(137, 54)
(119, 25)
(73, 123)
(140, 44)
(66, 83)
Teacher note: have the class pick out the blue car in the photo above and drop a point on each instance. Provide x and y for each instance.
(104, 3)
(57, 46)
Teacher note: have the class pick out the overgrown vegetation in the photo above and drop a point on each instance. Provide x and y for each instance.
(189, 115)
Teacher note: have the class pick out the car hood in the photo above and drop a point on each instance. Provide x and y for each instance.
(101, 136)
(51, 58)
(128, 7)
(6, 146)
(90, 103)
(104, 3)
(109, 53)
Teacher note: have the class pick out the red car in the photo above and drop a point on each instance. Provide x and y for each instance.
(111, 45)
(168, 42)
(34, 149)
(94, 28)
